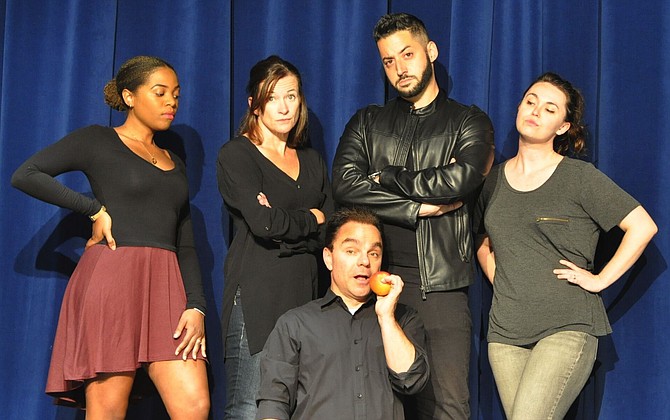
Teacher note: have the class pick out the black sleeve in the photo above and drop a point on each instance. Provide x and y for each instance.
(189, 264)
(74, 152)
(473, 154)
(240, 180)
(351, 185)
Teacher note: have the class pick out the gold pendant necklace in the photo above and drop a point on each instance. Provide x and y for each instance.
(153, 159)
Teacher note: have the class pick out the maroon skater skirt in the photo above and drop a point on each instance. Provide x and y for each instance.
(119, 311)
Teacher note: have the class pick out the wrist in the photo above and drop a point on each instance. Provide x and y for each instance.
(199, 310)
(95, 217)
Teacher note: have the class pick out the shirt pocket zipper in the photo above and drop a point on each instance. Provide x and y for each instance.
(552, 219)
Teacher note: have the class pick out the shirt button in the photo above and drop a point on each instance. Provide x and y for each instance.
(360, 395)
(298, 186)
(356, 341)
(267, 228)
(358, 368)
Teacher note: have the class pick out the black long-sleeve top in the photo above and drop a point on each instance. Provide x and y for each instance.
(271, 257)
(148, 206)
(322, 362)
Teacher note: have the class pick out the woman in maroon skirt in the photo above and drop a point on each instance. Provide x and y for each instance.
(135, 299)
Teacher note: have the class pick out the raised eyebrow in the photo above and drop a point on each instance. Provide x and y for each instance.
(536, 97)
(401, 51)
(375, 246)
(350, 240)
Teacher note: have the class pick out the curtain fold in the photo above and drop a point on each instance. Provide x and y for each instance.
(57, 56)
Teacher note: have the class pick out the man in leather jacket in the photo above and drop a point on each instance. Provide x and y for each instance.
(419, 162)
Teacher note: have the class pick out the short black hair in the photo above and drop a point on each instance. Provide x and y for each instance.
(394, 22)
(361, 215)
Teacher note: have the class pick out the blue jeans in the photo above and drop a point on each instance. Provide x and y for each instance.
(242, 369)
(541, 381)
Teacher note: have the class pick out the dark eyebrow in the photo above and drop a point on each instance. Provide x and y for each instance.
(401, 51)
(164, 86)
(548, 103)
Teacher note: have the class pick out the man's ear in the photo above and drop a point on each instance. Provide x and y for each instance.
(328, 258)
(431, 47)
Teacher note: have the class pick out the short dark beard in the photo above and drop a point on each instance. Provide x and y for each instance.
(423, 82)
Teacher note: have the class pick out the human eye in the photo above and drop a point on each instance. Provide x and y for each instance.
(292, 96)
(375, 254)
(387, 62)
(160, 93)
(409, 54)
(551, 110)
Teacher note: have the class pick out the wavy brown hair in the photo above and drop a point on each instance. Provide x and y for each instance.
(263, 77)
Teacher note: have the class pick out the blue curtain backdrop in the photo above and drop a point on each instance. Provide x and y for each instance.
(57, 56)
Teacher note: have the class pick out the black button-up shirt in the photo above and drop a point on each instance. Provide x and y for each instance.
(323, 362)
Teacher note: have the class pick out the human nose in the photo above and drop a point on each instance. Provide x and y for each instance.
(400, 67)
(364, 259)
(171, 101)
(283, 106)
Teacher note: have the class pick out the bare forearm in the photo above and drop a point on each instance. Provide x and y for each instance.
(486, 258)
(639, 228)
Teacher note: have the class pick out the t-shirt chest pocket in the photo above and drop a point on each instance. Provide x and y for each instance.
(555, 230)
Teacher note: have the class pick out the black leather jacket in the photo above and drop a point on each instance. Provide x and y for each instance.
(440, 131)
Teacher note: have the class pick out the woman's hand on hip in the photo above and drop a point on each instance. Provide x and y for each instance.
(102, 229)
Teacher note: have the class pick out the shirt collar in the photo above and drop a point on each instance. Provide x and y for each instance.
(329, 298)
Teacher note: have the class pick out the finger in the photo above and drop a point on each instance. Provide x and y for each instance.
(177, 333)
(188, 343)
(111, 243)
(196, 347)
(568, 264)
(203, 348)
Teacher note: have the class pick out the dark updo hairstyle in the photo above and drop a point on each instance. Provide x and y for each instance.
(263, 78)
(574, 140)
(345, 215)
(395, 22)
(132, 74)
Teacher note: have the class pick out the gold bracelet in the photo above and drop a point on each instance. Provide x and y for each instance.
(98, 214)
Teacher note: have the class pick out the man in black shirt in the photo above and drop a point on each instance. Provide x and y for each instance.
(349, 354)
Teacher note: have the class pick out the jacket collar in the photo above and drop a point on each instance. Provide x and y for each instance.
(407, 106)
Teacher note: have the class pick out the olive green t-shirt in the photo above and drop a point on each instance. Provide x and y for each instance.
(530, 232)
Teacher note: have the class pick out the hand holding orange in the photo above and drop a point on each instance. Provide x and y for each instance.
(377, 285)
